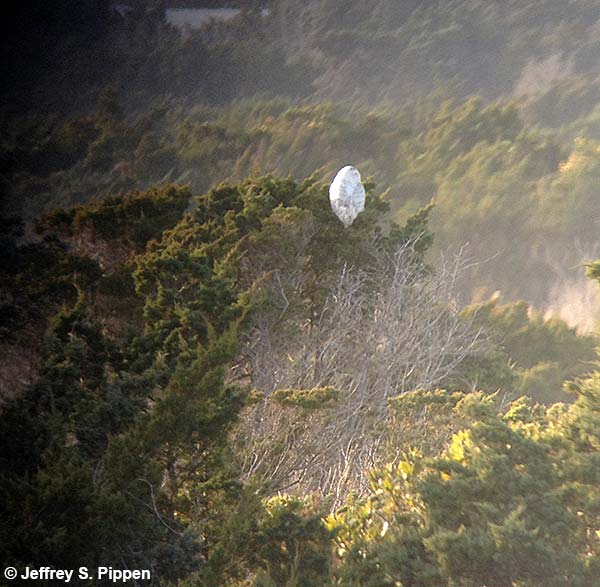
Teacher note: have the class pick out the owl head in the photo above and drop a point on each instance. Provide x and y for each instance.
(349, 172)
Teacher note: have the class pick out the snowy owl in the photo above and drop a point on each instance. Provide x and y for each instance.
(347, 195)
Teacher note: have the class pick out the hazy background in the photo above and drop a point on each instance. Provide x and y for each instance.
(487, 109)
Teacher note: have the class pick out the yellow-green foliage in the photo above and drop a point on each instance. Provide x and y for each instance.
(423, 419)
(498, 507)
(309, 399)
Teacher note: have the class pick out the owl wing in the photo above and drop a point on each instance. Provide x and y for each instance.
(356, 196)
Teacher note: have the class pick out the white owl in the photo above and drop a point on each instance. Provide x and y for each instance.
(347, 195)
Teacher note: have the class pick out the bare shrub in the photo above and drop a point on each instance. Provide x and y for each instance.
(379, 333)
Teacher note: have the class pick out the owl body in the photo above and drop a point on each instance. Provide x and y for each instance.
(347, 195)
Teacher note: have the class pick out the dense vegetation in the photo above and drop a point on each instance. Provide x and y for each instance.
(203, 373)
(135, 438)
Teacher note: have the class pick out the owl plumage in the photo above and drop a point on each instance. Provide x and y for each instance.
(347, 195)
